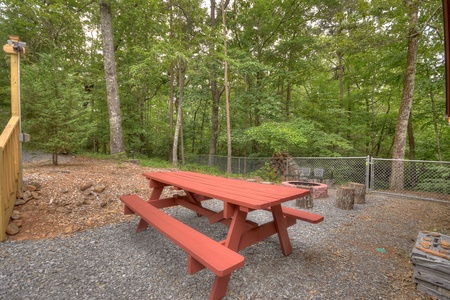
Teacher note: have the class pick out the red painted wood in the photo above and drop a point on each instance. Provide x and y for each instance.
(237, 228)
(302, 215)
(248, 194)
(219, 288)
(219, 259)
(260, 233)
(281, 226)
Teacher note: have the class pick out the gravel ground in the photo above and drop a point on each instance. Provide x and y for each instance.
(336, 259)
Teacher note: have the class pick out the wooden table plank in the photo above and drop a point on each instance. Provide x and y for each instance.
(248, 194)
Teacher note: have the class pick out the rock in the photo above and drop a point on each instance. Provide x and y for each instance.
(27, 196)
(86, 186)
(103, 203)
(20, 202)
(35, 195)
(63, 210)
(99, 189)
(18, 223)
(12, 229)
(30, 188)
(15, 215)
(37, 185)
(65, 191)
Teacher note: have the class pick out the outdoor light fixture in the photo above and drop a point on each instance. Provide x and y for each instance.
(17, 46)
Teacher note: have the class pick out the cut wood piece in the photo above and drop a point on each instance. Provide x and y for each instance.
(360, 192)
(308, 200)
(345, 198)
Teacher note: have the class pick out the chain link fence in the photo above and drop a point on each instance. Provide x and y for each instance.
(429, 180)
(331, 170)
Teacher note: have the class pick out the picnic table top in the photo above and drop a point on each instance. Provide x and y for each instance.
(252, 195)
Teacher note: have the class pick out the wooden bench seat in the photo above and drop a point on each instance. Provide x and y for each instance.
(201, 249)
(301, 215)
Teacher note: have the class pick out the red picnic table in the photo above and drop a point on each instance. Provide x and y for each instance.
(239, 198)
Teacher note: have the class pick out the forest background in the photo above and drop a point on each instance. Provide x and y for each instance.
(308, 78)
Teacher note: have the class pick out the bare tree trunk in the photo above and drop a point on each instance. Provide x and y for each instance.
(215, 93)
(341, 78)
(397, 176)
(171, 88)
(181, 66)
(411, 139)
(227, 99)
(433, 110)
(112, 89)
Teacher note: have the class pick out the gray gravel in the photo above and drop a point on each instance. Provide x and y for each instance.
(336, 259)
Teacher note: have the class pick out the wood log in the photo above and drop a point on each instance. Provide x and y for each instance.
(345, 198)
(306, 201)
(360, 192)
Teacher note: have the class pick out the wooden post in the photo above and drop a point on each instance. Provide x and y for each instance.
(345, 198)
(9, 48)
(15, 47)
(360, 192)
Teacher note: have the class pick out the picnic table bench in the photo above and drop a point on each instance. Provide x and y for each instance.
(239, 198)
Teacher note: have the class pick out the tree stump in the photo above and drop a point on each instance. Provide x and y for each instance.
(360, 192)
(308, 200)
(345, 198)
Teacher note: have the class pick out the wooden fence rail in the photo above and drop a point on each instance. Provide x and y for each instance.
(10, 182)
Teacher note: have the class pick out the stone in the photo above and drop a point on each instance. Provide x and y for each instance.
(35, 195)
(18, 223)
(20, 202)
(15, 215)
(99, 189)
(30, 188)
(63, 209)
(12, 229)
(27, 196)
(86, 186)
(37, 185)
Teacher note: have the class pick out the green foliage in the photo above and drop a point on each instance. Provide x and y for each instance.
(53, 109)
(205, 169)
(155, 163)
(287, 91)
(277, 137)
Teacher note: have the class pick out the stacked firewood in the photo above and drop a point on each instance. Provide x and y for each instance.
(431, 260)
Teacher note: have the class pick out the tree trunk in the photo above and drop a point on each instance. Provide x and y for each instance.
(112, 89)
(345, 198)
(227, 99)
(397, 176)
(411, 139)
(181, 66)
(171, 88)
(433, 110)
(360, 192)
(215, 93)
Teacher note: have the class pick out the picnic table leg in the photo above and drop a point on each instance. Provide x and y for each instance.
(155, 195)
(237, 228)
(280, 225)
(219, 288)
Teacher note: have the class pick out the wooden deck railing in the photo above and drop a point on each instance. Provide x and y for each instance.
(10, 182)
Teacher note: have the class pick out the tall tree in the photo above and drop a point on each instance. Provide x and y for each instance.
(112, 89)
(227, 92)
(401, 129)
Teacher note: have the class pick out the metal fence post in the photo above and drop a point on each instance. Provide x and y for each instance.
(367, 173)
(372, 173)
